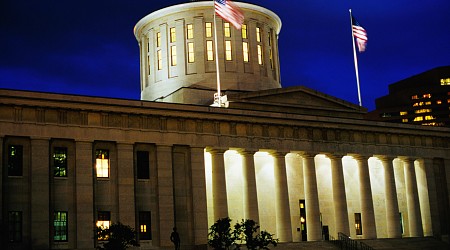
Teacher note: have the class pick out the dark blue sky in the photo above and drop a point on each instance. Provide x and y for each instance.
(88, 47)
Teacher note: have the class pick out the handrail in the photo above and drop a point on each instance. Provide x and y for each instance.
(346, 243)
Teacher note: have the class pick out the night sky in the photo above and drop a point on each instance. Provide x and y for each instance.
(88, 47)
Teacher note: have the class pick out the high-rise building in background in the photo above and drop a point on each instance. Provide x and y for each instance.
(303, 164)
(423, 99)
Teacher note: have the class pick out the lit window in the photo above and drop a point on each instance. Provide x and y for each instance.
(420, 111)
(15, 160)
(60, 226)
(448, 100)
(15, 226)
(414, 97)
(428, 103)
(358, 224)
(173, 35)
(403, 112)
(260, 55)
(405, 120)
(208, 29)
(228, 51)
(258, 34)
(191, 53)
(244, 31)
(102, 163)
(159, 57)
(158, 39)
(438, 102)
(226, 30)
(415, 104)
(149, 65)
(60, 162)
(426, 95)
(245, 51)
(173, 55)
(418, 118)
(103, 222)
(143, 164)
(445, 81)
(429, 117)
(145, 222)
(190, 31)
(271, 57)
(209, 51)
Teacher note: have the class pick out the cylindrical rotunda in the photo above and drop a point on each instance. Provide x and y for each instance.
(177, 59)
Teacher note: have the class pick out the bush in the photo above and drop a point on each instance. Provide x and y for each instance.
(221, 236)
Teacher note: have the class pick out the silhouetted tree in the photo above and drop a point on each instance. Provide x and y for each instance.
(118, 236)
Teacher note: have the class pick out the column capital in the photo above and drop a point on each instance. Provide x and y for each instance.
(386, 158)
(216, 150)
(407, 158)
(245, 151)
(309, 154)
(275, 153)
(360, 157)
(334, 155)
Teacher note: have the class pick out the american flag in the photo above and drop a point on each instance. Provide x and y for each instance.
(360, 34)
(229, 12)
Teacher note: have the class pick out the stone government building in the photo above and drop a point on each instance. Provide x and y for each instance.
(303, 164)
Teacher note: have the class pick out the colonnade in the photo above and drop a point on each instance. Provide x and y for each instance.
(266, 187)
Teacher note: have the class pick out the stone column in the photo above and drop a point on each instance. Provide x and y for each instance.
(249, 179)
(40, 213)
(428, 165)
(125, 182)
(84, 195)
(369, 229)
(339, 196)
(412, 199)
(313, 227)
(393, 226)
(219, 185)
(283, 216)
(424, 199)
(199, 195)
(3, 169)
(165, 217)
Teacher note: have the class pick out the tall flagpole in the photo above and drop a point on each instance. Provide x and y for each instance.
(355, 59)
(217, 57)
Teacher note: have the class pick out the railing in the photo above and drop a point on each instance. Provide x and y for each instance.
(346, 243)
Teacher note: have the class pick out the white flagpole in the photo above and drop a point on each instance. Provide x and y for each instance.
(217, 57)
(355, 59)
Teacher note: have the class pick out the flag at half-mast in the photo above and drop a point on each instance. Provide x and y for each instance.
(230, 12)
(360, 34)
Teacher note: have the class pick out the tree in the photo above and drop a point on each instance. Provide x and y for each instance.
(220, 235)
(118, 236)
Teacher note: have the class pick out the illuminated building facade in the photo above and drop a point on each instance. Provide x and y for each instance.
(297, 161)
(423, 99)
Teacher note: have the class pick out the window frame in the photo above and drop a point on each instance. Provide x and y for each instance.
(143, 164)
(100, 168)
(59, 168)
(60, 230)
(145, 224)
(15, 226)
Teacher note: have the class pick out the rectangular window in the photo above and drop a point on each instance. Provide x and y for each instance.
(209, 51)
(403, 112)
(445, 81)
(145, 225)
(226, 30)
(60, 226)
(228, 51)
(173, 55)
(15, 226)
(245, 51)
(260, 55)
(159, 58)
(173, 35)
(190, 31)
(103, 222)
(158, 39)
(59, 162)
(191, 53)
(244, 31)
(358, 224)
(258, 34)
(102, 163)
(15, 160)
(143, 164)
(404, 120)
(208, 29)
